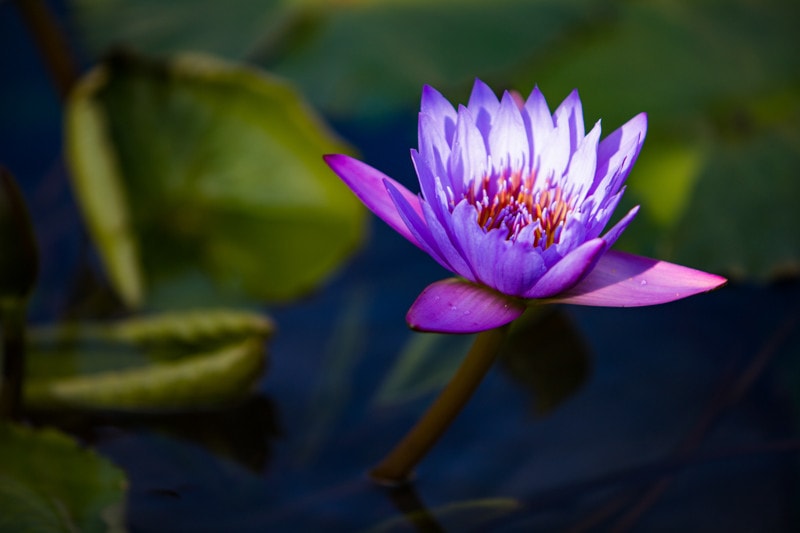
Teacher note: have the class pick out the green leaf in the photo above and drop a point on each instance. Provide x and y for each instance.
(743, 217)
(50, 484)
(426, 363)
(230, 29)
(163, 362)
(219, 170)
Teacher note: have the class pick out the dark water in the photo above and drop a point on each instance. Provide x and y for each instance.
(681, 417)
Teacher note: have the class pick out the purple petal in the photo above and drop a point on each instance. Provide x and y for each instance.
(415, 225)
(569, 115)
(568, 271)
(368, 185)
(468, 159)
(457, 306)
(617, 153)
(433, 149)
(438, 107)
(583, 164)
(508, 140)
(613, 234)
(539, 124)
(508, 267)
(447, 245)
(625, 280)
(483, 104)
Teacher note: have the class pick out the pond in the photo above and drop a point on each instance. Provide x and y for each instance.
(677, 417)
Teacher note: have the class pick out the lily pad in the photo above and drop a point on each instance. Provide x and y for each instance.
(48, 483)
(174, 361)
(194, 166)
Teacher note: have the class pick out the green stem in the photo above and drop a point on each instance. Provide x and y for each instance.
(12, 318)
(396, 467)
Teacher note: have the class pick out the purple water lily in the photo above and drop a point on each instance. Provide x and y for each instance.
(514, 201)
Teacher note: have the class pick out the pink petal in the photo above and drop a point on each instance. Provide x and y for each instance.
(457, 306)
(368, 185)
(626, 280)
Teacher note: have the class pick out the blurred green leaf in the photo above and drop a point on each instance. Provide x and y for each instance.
(743, 218)
(219, 170)
(19, 259)
(719, 82)
(545, 353)
(163, 362)
(370, 57)
(230, 29)
(374, 57)
(50, 484)
(426, 363)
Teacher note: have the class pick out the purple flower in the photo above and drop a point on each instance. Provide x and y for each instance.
(514, 201)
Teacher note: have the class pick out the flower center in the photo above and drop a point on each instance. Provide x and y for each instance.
(510, 202)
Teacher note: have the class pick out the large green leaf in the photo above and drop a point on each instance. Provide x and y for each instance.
(48, 483)
(170, 361)
(212, 170)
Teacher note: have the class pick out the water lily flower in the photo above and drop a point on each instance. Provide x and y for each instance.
(514, 201)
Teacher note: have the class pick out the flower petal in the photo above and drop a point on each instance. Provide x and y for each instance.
(582, 166)
(569, 270)
(468, 157)
(368, 185)
(613, 234)
(617, 153)
(416, 226)
(438, 107)
(457, 306)
(626, 280)
(569, 115)
(508, 140)
(483, 104)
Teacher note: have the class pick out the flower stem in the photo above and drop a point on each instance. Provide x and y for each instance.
(396, 467)
(12, 322)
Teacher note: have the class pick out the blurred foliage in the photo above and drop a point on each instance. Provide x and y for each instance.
(48, 483)
(720, 80)
(543, 351)
(194, 166)
(172, 361)
(424, 365)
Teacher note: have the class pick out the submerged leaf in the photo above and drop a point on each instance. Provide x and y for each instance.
(219, 169)
(205, 379)
(545, 353)
(171, 361)
(424, 365)
(49, 484)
